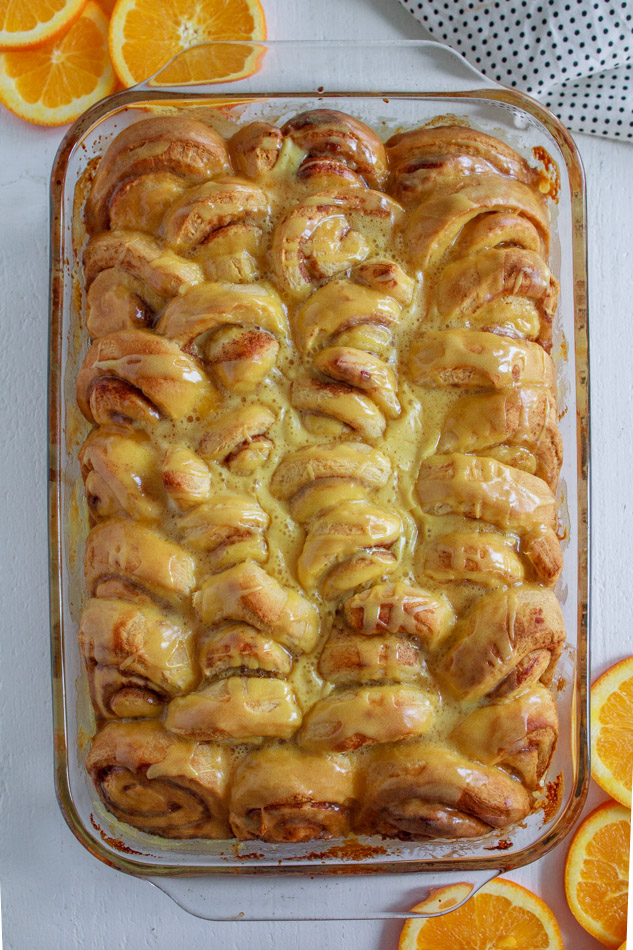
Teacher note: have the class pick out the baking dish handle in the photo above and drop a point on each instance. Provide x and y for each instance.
(330, 66)
(306, 896)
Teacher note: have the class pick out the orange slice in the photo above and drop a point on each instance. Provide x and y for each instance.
(145, 34)
(612, 731)
(24, 25)
(597, 873)
(55, 83)
(502, 912)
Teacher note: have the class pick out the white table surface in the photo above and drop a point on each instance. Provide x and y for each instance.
(54, 894)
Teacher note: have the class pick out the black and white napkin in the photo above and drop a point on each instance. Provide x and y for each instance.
(575, 56)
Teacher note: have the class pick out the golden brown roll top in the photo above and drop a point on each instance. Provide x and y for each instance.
(349, 719)
(160, 783)
(399, 608)
(345, 328)
(239, 648)
(210, 207)
(178, 144)
(442, 158)
(480, 487)
(238, 440)
(510, 640)
(519, 734)
(234, 329)
(138, 656)
(239, 708)
(435, 224)
(186, 477)
(329, 232)
(247, 593)
(135, 556)
(332, 463)
(229, 528)
(282, 794)
(120, 473)
(349, 658)
(515, 426)
(480, 557)
(423, 790)
(334, 144)
(136, 378)
(477, 360)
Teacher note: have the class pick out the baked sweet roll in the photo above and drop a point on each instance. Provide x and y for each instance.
(123, 556)
(481, 557)
(238, 439)
(120, 472)
(248, 594)
(332, 145)
(136, 378)
(518, 734)
(399, 608)
(345, 331)
(129, 278)
(238, 648)
(510, 640)
(282, 794)
(138, 657)
(228, 528)
(186, 148)
(186, 477)
(327, 233)
(160, 783)
(424, 790)
(424, 162)
(350, 658)
(501, 495)
(349, 542)
(234, 329)
(352, 718)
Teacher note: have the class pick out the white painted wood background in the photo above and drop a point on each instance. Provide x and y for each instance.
(54, 894)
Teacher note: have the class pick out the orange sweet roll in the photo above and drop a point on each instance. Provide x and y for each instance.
(283, 794)
(518, 733)
(236, 330)
(422, 790)
(349, 541)
(254, 627)
(129, 278)
(160, 783)
(135, 378)
(335, 149)
(444, 158)
(483, 247)
(138, 656)
(508, 642)
(480, 488)
(185, 148)
(345, 329)
(329, 232)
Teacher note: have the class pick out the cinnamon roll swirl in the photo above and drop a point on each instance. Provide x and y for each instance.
(283, 794)
(422, 790)
(160, 783)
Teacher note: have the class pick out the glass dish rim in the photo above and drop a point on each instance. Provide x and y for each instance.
(180, 96)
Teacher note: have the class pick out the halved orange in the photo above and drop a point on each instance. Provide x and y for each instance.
(612, 731)
(597, 873)
(28, 24)
(146, 34)
(55, 83)
(502, 911)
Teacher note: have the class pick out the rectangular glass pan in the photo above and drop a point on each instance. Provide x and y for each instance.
(381, 84)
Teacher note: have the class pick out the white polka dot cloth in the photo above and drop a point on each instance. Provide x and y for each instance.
(576, 56)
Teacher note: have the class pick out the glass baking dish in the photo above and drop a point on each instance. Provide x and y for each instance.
(390, 86)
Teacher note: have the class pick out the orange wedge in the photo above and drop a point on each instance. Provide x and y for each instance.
(146, 34)
(502, 912)
(55, 83)
(612, 731)
(28, 24)
(597, 873)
